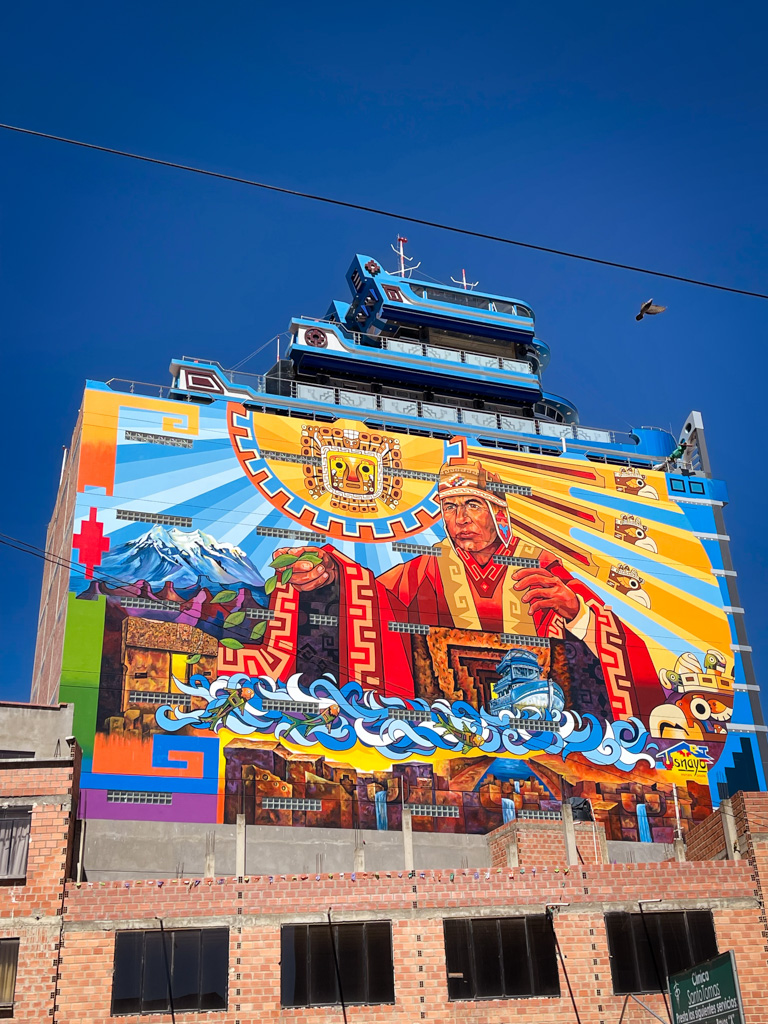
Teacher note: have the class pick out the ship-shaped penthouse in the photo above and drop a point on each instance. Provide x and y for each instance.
(427, 359)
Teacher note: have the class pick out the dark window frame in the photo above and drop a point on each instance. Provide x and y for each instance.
(302, 992)
(155, 960)
(543, 978)
(656, 959)
(6, 1008)
(21, 819)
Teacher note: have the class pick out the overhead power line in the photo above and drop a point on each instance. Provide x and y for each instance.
(384, 213)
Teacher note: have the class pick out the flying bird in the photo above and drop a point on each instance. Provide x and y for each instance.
(649, 309)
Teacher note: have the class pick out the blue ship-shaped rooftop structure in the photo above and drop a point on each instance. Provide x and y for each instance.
(419, 357)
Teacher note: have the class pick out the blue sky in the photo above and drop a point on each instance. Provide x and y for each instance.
(632, 133)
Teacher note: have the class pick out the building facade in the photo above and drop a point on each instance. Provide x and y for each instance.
(394, 575)
(546, 931)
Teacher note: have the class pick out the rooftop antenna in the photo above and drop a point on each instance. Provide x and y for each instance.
(403, 258)
(465, 284)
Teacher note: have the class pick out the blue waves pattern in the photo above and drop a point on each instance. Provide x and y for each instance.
(339, 717)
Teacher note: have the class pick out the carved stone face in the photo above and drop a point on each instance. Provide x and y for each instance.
(351, 473)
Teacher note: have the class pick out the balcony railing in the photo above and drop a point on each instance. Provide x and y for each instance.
(419, 350)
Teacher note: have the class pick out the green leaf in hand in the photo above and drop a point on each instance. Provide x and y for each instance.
(287, 573)
(283, 561)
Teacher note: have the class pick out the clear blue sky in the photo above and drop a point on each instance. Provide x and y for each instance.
(636, 133)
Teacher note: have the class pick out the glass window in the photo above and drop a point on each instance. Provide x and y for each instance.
(309, 955)
(184, 969)
(14, 841)
(9, 958)
(500, 958)
(646, 948)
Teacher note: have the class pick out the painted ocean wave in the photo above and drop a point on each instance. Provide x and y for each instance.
(340, 717)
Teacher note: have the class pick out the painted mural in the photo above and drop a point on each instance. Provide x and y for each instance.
(313, 623)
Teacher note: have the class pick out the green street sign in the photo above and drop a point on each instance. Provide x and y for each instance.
(707, 994)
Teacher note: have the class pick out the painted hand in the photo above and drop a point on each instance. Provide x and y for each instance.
(313, 568)
(544, 591)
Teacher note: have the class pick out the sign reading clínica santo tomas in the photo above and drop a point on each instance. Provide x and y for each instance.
(707, 994)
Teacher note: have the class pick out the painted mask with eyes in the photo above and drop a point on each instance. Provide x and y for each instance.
(352, 473)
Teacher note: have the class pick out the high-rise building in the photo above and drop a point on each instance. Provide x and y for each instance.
(394, 581)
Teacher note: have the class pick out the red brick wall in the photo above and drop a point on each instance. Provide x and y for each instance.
(33, 912)
(79, 987)
(543, 842)
(416, 906)
(706, 840)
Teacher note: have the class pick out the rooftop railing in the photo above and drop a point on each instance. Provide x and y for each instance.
(384, 406)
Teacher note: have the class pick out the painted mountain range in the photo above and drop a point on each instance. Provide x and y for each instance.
(188, 561)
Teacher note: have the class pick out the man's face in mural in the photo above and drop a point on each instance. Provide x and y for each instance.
(470, 526)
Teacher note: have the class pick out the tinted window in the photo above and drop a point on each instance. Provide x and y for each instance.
(14, 841)
(646, 948)
(9, 956)
(184, 969)
(492, 958)
(308, 966)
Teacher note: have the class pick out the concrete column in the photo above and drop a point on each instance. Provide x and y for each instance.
(359, 861)
(679, 848)
(240, 846)
(513, 854)
(210, 857)
(407, 839)
(571, 851)
(732, 850)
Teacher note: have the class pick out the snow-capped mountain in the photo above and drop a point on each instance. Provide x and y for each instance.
(188, 560)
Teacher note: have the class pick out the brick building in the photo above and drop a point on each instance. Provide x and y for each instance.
(460, 943)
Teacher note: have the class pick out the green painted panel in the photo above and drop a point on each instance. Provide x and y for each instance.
(81, 665)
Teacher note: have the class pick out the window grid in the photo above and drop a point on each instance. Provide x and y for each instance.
(174, 442)
(150, 604)
(521, 563)
(302, 460)
(510, 489)
(122, 796)
(302, 535)
(291, 803)
(132, 516)
(159, 697)
(540, 815)
(520, 640)
(433, 810)
(408, 627)
(407, 714)
(298, 707)
(262, 614)
(316, 619)
(533, 724)
(416, 549)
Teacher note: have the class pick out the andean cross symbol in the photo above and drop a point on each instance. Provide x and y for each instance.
(91, 543)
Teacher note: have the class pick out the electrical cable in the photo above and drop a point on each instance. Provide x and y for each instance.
(384, 213)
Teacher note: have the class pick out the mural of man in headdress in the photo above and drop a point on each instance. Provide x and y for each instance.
(481, 577)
